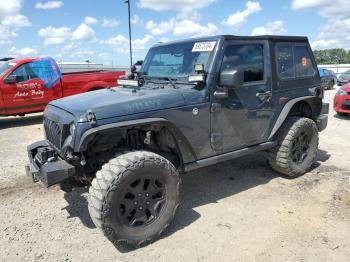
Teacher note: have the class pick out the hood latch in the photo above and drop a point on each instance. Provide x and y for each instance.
(91, 117)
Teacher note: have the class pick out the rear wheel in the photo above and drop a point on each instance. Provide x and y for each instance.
(297, 147)
(134, 198)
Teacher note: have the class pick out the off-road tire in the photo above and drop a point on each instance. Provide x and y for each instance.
(281, 157)
(108, 186)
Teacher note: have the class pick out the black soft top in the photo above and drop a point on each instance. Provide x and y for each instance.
(266, 37)
(237, 37)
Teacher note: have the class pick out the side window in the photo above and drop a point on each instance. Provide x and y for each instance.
(303, 62)
(285, 63)
(246, 58)
(21, 73)
(31, 73)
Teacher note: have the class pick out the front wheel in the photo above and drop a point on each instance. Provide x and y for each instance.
(134, 197)
(297, 147)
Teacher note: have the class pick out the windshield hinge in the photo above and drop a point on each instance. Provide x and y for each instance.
(91, 117)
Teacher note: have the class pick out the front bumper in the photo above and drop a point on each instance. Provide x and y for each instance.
(45, 165)
(341, 104)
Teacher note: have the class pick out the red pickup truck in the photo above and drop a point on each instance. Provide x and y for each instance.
(28, 85)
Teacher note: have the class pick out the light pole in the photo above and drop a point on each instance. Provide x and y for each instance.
(130, 46)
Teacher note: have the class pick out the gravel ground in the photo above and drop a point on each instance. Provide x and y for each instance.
(237, 210)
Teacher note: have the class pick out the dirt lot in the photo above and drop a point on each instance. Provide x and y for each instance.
(236, 211)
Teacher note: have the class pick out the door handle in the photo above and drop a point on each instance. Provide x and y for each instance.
(264, 94)
(221, 93)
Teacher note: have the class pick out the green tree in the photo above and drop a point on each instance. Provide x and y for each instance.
(332, 56)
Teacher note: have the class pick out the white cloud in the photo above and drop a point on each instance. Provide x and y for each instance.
(240, 17)
(302, 4)
(181, 27)
(325, 44)
(75, 50)
(58, 35)
(160, 28)
(330, 37)
(83, 32)
(11, 21)
(326, 8)
(335, 33)
(166, 5)
(49, 5)
(26, 51)
(271, 28)
(164, 40)
(135, 19)
(121, 44)
(110, 23)
(84, 53)
(188, 27)
(16, 21)
(90, 20)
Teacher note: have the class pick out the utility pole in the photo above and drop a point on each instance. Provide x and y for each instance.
(130, 45)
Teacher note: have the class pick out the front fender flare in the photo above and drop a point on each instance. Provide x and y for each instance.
(184, 147)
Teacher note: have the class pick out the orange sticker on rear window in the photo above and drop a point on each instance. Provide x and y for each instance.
(304, 61)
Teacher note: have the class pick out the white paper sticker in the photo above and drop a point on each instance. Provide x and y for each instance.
(204, 46)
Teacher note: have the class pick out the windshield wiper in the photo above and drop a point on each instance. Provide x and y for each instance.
(172, 81)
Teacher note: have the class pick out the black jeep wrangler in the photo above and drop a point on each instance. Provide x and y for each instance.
(193, 103)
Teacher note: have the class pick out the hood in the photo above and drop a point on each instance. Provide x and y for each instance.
(117, 102)
(344, 77)
(346, 88)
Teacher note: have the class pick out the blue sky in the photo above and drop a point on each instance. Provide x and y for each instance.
(78, 30)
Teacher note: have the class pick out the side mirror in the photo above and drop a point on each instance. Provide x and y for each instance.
(231, 78)
(136, 67)
(11, 79)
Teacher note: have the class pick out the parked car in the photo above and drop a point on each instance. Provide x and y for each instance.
(195, 103)
(344, 78)
(328, 78)
(341, 101)
(28, 85)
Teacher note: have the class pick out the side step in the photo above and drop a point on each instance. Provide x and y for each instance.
(228, 156)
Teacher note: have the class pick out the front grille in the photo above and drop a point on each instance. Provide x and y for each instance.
(53, 132)
(346, 105)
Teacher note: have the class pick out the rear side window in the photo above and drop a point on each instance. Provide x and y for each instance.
(294, 61)
(285, 61)
(247, 58)
(303, 62)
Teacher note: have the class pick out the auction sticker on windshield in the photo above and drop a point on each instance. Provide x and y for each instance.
(204, 46)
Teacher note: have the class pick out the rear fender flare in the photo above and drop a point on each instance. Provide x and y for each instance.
(284, 113)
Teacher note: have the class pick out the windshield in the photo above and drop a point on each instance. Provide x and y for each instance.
(5, 67)
(177, 60)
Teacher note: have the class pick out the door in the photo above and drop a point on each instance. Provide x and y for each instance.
(242, 118)
(30, 93)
